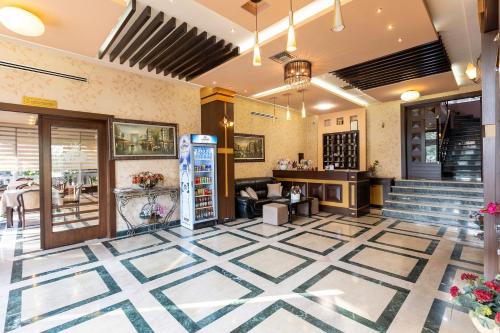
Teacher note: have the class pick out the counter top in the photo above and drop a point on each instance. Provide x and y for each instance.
(349, 175)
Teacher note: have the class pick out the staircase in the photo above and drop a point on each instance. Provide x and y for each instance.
(443, 202)
(463, 156)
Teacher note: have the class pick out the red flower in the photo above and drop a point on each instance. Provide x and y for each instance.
(497, 318)
(483, 296)
(492, 285)
(492, 208)
(468, 277)
(454, 291)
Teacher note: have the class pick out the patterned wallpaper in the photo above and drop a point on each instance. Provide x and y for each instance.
(108, 91)
(284, 138)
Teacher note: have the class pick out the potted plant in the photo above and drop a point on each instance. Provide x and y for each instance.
(482, 299)
(492, 208)
(372, 168)
(295, 193)
(147, 179)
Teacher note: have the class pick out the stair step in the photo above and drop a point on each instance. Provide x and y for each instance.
(459, 168)
(449, 191)
(467, 178)
(462, 163)
(463, 158)
(464, 211)
(437, 183)
(435, 199)
(430, 217)
(465, 152)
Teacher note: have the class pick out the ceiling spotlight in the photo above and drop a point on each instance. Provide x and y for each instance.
(338, 21)
(233, 31)
(324, 106)
(400, 40)
(410, 95)
(390, 27)
(379, 10)
(21, 21)
(471, 71)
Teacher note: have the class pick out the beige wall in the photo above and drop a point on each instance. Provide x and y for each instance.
(284, 138)
(334, 128)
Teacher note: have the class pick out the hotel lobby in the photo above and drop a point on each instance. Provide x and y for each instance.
(250, 166)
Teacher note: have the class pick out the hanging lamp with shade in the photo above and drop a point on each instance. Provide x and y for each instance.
(338, 20)
(291, 44)
(257, 59)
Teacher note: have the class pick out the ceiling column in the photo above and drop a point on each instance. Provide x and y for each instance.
(217, 104)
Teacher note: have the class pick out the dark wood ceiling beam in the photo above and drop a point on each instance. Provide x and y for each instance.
(205, 59)
(199, 58)
(183, 52)
(145, 34)
(234, 53)
(177, 49)
(190, 56)
(159, 36)
(131, 32)
(400, 78)
(117, 29)
(165, 44)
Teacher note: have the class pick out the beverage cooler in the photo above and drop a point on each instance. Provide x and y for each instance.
(198, 180)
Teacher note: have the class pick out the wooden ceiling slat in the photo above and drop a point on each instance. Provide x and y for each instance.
(117, 29)
(215, 63)
(205, 59)
(190, 56)
(131, 32)
(145, 34)
(419, 61)
(159, 36)
(200, 57)
(181, 52)
(165, 44)
(173, 48)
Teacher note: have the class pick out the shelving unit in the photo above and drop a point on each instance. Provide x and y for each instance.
(341, 150)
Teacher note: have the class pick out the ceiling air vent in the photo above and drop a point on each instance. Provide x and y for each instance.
(263, 115)
(282, 57)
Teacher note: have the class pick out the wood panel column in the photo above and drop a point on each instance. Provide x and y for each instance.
(491, 148)
(217, 104)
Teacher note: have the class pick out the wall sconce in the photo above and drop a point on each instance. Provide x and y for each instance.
(227, 123)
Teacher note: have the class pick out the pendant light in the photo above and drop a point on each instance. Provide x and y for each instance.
(291, 44)
(288, 115)
(257, 60)
(303, 113)
(274, 109)
(338, 21)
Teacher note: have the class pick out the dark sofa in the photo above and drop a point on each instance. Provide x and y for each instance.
(248, 207)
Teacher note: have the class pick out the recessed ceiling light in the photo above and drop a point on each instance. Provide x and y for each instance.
(214, 82)
(233, 31)
(379, 10)
(390, 27)
(324, 106)
(410, 95)
(21, 21)
(400, 40)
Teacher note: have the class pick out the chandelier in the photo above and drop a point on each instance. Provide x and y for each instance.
(298, 73)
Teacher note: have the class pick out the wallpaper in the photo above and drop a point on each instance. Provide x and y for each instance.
(108, 91)
(284, 138)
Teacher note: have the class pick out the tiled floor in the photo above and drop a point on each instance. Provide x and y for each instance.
(328, 273)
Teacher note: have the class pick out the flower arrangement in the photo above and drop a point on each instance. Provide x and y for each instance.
(482, 299)
(295, 193)
(372, 168)
(284, 164)
(492, 208)
(153, 211)
(147, 179)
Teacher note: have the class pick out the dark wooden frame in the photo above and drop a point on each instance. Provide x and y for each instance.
(141, 157)
(249, 160)
(403, 116)
(110, 164)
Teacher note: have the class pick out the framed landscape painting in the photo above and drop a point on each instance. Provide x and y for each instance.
(143, 140)
(249, 148)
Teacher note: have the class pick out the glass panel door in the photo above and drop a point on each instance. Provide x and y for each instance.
(74, 173)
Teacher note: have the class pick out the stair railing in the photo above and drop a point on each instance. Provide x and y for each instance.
(444, 136)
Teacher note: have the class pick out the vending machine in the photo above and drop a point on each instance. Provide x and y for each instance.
(198, 180)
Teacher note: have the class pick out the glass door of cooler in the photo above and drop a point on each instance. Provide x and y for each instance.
(204, 182)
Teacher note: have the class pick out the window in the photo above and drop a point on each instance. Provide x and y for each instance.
(18, 152)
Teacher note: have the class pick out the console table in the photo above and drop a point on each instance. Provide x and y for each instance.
(124, 195)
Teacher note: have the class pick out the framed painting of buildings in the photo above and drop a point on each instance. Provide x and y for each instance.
(249, 148)
(143, 140)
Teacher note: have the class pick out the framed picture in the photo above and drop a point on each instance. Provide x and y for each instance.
(249, 148)
(354, 125)
(141, 140)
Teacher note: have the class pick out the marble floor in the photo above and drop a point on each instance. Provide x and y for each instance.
(328, 273)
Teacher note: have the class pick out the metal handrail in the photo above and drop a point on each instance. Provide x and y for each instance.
(442, 153)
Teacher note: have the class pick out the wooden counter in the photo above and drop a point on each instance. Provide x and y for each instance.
(344, 192)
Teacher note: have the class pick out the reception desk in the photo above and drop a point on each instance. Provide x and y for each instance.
(341, 192)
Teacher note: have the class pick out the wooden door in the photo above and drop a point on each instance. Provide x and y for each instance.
(74, 173)
(422, 142)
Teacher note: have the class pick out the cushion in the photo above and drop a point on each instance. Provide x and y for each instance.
(243, 193)
(274, 190)
(252, 193)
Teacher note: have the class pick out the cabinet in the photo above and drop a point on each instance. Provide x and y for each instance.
(341, 150)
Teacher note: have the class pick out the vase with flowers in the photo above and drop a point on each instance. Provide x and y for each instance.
(147, 179)
(482, 299)
(295, 193)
